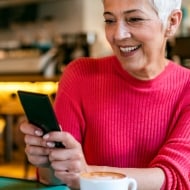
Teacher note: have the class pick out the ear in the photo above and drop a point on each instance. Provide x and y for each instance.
(173, 23)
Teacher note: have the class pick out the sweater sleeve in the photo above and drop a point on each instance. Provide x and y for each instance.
(174, 156)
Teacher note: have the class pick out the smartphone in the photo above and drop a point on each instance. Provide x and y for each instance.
(39, 111)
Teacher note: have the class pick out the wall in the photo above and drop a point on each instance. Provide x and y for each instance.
(79, 16)
(70, 16)
(185, 24)
(68, 13)
(94, 22)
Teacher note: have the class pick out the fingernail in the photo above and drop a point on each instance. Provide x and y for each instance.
(50, 144)
(46, 136)
(39, 133)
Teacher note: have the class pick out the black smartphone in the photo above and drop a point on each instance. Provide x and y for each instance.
(39, 111)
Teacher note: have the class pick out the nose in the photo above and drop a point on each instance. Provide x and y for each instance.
(122, 31)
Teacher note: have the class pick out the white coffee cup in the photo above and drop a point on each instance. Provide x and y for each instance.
(106, 181)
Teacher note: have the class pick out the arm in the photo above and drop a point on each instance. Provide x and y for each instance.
(149, 179)
(173, 157)
(70, 162)
(171, 160)
(72, 159)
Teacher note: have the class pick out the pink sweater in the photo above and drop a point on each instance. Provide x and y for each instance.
(125, 122)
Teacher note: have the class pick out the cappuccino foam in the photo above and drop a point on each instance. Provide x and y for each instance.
(103, 175)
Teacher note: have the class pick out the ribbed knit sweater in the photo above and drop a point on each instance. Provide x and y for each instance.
(125, 122)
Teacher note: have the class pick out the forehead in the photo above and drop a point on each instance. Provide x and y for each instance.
(124, 5)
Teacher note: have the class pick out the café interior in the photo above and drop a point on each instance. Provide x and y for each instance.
(38, 38)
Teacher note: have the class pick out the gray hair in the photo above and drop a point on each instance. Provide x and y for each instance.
(165, 7)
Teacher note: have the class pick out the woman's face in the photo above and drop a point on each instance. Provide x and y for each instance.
(136, 36)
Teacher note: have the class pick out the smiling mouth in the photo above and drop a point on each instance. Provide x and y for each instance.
(129, 49)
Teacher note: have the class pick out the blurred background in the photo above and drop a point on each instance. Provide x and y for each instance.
(38, 38)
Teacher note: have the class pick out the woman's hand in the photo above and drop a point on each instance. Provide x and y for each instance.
(36, 149)
(67, 162)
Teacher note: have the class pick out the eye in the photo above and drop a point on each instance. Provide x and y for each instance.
(134, 20)
(109, 21)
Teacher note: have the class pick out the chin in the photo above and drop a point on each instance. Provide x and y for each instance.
(131, 65)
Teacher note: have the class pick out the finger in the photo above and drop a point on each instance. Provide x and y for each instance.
(65, 154)
(65, 138)
(68, 166)
(30, 129)
(34, 150)
(39, 161)
(37, 156)
(34, 141)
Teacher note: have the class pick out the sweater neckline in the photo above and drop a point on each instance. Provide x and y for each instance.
(142, 83)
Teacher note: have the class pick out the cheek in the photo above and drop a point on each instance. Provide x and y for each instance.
(149, 40)
(145, 35)
(151, 34)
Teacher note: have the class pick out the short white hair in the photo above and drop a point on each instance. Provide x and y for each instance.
(165, 7)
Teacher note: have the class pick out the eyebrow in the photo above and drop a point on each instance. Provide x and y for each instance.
(125, 12)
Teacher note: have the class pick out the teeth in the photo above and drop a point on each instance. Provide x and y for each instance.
(128, 49)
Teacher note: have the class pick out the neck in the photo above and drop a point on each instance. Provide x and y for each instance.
(149, 72)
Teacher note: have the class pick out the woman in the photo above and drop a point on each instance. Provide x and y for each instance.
(129, 112)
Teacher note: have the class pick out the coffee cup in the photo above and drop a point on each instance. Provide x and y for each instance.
(106, 181)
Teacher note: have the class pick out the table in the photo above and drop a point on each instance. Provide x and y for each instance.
(22, 184)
